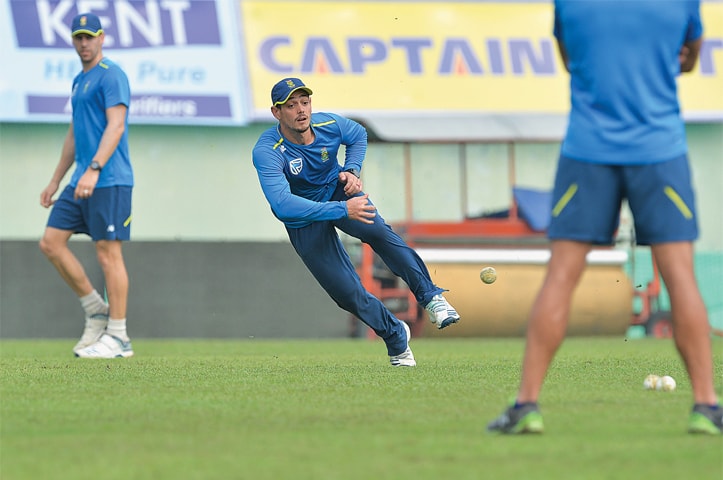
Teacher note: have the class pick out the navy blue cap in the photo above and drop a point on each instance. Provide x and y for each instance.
(86, 23)
(284, 88)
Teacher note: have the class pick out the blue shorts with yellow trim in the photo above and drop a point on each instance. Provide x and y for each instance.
(106, 215)
(587, 198)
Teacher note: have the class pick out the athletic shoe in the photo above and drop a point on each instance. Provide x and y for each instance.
(94, 328)
(525, 419)
(441, 313)
(107, 347)
(704, 419)
(406, 358)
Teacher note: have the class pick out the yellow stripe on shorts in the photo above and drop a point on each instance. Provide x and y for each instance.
(675, 198)
(564, 200)
(128, 221)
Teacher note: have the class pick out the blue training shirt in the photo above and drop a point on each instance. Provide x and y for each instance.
(101, 87)
(299, 180)
(623, 62)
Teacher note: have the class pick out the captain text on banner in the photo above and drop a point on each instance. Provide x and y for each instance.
(436, 58)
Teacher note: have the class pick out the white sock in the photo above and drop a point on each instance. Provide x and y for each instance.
(93, 303)
(117, 328)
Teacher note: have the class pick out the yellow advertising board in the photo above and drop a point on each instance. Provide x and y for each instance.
(701, 91)
(434, 57)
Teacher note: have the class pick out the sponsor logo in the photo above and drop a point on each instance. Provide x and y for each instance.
(295, 166)
(126, 23)
(451, 56)
(460, 56)
(148, 106)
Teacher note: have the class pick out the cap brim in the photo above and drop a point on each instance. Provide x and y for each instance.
(281, 102)
(88, 32)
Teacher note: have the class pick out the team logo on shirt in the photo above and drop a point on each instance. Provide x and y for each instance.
(295, 166)
(324, 154)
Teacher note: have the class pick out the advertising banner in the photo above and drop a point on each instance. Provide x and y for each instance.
(214, 61)
(182, 58)
(381, 59)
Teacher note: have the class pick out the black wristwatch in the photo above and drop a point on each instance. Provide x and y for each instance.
(353, 171)
(96, 166)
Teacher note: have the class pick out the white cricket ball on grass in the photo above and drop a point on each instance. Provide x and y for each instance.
(666, 383)
(488, 275)
(651, 382)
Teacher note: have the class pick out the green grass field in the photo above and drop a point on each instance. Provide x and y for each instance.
(335, 409)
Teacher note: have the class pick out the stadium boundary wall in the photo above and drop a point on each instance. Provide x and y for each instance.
(201, 226)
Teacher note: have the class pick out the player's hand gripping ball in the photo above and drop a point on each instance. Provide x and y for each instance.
(488, 275)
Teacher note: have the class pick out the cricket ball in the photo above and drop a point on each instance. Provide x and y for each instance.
(488, 275)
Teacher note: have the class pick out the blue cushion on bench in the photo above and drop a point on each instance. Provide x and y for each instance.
(534, 207)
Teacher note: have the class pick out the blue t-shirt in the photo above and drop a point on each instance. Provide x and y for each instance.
(101, 87)
(299, 180)
(623, 62)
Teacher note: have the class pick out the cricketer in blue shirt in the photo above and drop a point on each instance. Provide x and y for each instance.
(97, 200)
(101, 87)
(625, 141)
(313, 195)
(624, 115)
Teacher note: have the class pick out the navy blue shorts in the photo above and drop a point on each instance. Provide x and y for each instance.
(587, 197)
(106, 215)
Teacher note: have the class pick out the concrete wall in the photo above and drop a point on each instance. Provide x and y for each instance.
(177, 290)
(198, 183)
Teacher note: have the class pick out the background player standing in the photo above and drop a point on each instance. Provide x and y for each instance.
(97, 200)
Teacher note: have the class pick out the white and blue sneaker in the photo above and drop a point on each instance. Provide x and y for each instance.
(107, 346)
(441, 313)
(406, 358)
(94, 329)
